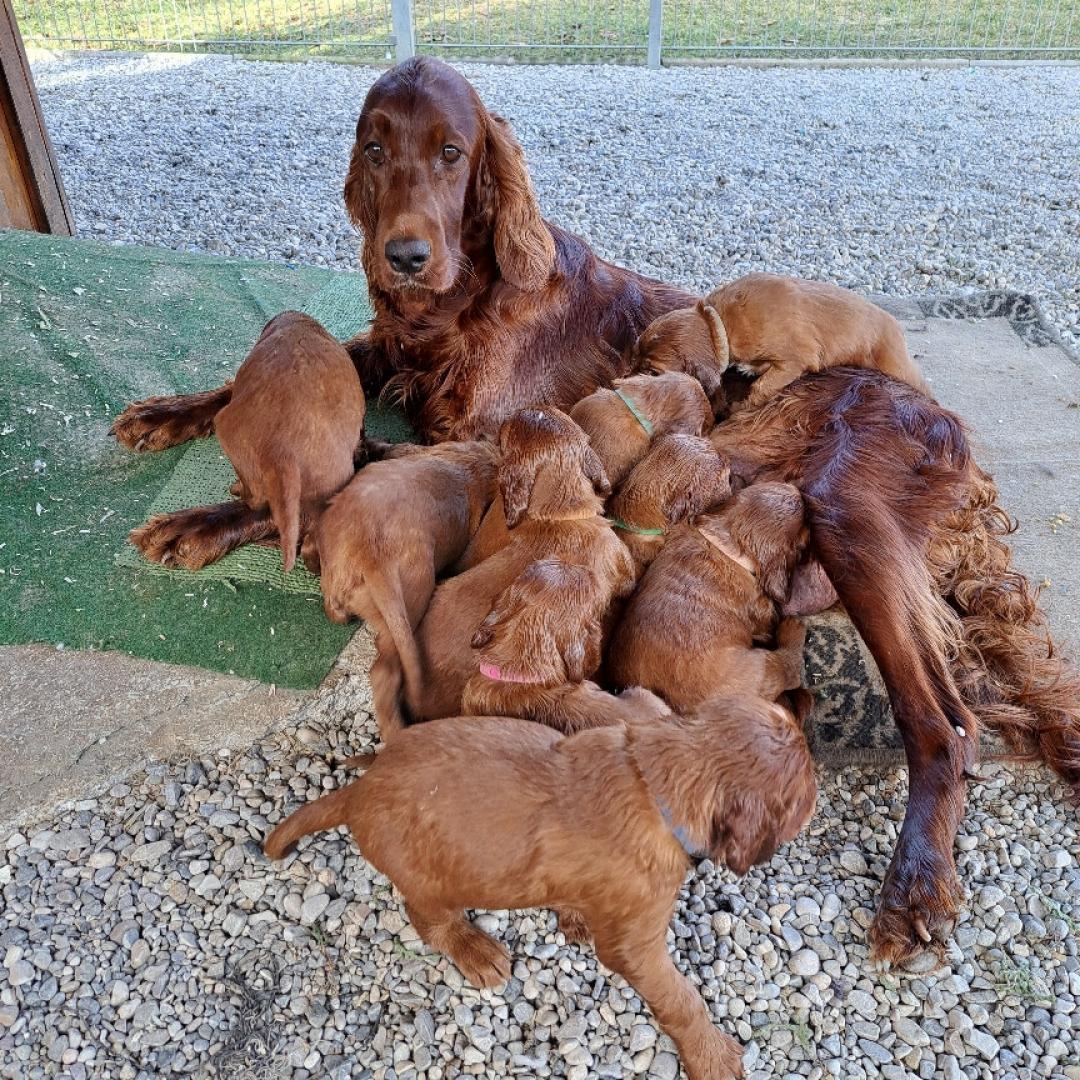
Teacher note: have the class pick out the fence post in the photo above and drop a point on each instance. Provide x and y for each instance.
(401, 11)
(656, 24)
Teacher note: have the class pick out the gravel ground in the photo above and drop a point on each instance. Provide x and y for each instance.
(144, 935)
(896, 181)
(141, 932)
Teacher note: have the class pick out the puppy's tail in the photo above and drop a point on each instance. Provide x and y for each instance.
(325, 813)
(284, 499)
(1010, 671)
(387, 596)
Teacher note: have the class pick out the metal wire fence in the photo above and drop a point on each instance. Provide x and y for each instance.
(631, 31)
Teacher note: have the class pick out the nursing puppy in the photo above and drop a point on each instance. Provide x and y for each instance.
(498, 813)
(535, 648)
(709, 598)
(293, 431)
(549, 477)
(383, 541)
(622, 421)
(776, 328)
(681, 476)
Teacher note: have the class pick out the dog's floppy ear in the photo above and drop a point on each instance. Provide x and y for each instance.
(769, 525)
(717, 335)
(516, 480)
(524, 248)
(743, 832)
(359, 194)
(593, 468)
(698, 496)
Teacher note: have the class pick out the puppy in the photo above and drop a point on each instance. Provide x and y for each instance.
(535, 648)
(294, 425)
(622, 421)
(382, 542)
(689, 632)
(497, 812)
(549, 477)
(681, 476)
(776, 328)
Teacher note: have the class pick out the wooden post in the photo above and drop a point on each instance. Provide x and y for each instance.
(31, 193)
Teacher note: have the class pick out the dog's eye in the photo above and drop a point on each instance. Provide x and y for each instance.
(374, 153)
(450, 154)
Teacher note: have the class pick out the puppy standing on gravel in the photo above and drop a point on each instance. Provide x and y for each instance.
(383, 541)
(549, 479)
(293, 431)
(689, 632)
(502, 813)
(776, 328)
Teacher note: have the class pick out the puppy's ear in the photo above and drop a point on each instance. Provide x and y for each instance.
(770, 526)
(593, 468)
(524, 248)
(717, 335)
(700, 495)
(516, 480)
(743, 833)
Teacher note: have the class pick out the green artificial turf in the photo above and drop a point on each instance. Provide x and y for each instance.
(86, 328)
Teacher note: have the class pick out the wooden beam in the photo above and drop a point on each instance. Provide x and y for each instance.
(31, 192)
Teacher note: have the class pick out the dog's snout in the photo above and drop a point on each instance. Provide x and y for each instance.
(408, 256)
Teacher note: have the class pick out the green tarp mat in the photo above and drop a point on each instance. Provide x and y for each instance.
(86, 328)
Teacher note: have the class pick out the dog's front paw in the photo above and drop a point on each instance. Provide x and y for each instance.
(191, 539)
(717, 1057)
(481, 959)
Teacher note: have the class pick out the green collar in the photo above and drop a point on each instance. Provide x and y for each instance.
(639, 416)
(618, 523)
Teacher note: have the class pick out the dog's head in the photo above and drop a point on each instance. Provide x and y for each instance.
(680, 477)
(766, 789)
(767, 522)
(691, 340)
(548, 470)
(434, 177)
(545, 626)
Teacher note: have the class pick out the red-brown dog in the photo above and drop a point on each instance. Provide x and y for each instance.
(680, 477)
(293, 430)
(548, 479)
(501, 813)
(689, 632)
(383, 541)
(776, 328)
(536, 647)
(622, 421)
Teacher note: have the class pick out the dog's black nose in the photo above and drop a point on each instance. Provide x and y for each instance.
(407, 256)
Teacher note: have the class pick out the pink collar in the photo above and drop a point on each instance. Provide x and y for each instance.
(490, 671)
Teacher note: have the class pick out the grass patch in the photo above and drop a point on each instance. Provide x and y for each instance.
(562, 29)
(1015, 979)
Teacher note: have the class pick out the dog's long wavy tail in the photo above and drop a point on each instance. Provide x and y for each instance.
(1009, 670)
(284, 500)
(324, 813)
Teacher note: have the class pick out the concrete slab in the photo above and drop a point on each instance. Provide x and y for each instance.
(74, 720)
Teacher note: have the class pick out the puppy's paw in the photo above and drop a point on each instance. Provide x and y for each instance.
(791, 634)
(573, 927)
(481, 959)
(715, 1057)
